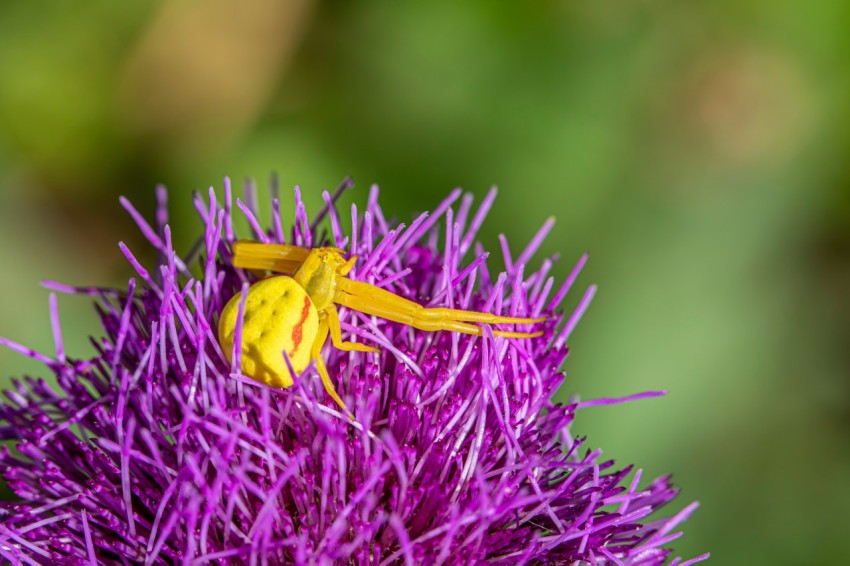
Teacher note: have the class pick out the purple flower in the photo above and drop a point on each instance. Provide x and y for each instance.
(157, 451)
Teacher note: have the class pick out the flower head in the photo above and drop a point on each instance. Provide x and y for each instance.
(156, 450)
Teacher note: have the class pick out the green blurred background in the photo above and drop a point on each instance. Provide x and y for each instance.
(697, 150)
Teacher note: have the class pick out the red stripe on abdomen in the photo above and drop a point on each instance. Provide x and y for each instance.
(298, 331)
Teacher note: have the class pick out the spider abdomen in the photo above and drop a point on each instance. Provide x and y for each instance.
(279, 317)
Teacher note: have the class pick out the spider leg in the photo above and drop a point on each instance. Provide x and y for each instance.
(281, 258)
(336, 334)
(323, 370)
(349, 265)
(380, 302)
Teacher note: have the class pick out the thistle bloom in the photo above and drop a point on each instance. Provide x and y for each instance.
(156, 450)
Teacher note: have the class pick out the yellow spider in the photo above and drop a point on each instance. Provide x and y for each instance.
(294, 312)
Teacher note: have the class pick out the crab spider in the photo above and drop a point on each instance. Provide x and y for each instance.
(296, 310)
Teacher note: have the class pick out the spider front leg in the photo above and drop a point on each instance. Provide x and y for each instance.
(336, 334)
(380, 302)
(281, 258)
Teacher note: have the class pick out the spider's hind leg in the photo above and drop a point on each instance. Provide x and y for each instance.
(322, 368)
